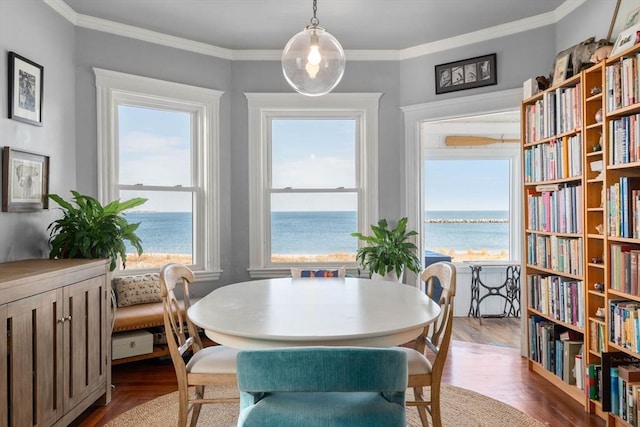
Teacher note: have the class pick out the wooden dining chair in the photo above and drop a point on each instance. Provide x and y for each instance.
(426, 360)
(210, 366)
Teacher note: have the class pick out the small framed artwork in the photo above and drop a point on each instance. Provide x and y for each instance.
(560, 69)
(25, 181)
(466, 74)
(26, 83)
(626, 39)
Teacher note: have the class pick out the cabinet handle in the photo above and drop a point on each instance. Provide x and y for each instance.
(68, 318)
(64, 319)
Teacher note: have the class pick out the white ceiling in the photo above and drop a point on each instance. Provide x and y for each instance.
(358, 24)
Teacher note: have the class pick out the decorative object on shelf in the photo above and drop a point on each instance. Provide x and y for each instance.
(573, 59)
(598, 116)
(600, 54)
(26, 81)
(313, 61)
(626, 39)
(596, 90)
(543, 82)
(624, 16)
(600, 312)
(466, 74)
(561, 69)
(25, 181)
(389, 251)
(91, 230)
(598, 286)
(600, 228)
(597, 261)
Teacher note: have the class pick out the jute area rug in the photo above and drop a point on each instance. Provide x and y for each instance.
(460, 408)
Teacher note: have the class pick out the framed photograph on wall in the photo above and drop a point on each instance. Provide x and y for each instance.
(466, 74)
(25, 181)
(26, 82)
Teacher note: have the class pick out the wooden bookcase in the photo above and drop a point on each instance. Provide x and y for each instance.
(553, 153)
(604, 238)
(622, 176)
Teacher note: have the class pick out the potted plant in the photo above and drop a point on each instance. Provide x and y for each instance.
(389, 251)
(91, 230)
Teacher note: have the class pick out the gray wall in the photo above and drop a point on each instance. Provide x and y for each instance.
(35, 31)
(69, 55)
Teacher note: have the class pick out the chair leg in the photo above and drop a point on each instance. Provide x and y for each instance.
(183, 407)
(199, 394)
(435, 409)
(418, 397)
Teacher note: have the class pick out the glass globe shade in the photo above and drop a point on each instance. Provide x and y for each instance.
(313, 61)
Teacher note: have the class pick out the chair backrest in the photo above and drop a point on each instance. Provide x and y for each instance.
(182, 335)
(297, 273)
(322, 369)
(437, 336)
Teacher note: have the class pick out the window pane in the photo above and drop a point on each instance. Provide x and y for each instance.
(317, 153)
(155, 146)
(166, 228)
(304, 230)
(467, 208)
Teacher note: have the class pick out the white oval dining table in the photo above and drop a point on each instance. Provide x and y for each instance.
(287, 312)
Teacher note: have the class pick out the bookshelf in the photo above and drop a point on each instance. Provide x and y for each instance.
(622, 218)
(582, 234)
(555, 202)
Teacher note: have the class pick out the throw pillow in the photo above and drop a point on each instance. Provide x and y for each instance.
(132, 290)
(299, 272)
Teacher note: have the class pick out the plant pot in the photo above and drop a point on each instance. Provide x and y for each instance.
(391, 276)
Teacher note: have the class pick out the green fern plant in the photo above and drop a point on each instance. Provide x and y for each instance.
(90, 230)
(388, 249)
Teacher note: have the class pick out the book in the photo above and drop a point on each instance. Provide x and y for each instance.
(611, 359)
(570, 349)
(592, 382)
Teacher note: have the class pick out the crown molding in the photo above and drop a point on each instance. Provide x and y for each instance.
(103, 25)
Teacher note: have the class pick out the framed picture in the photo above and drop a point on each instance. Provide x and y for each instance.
(626, 39)
(625, 15)
(26, 80)
(25, 181)
(466, 74)
(560, 69)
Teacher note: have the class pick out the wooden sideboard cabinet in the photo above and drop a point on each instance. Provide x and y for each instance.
(55, 346)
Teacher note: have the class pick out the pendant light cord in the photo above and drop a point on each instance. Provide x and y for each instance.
(315, 21)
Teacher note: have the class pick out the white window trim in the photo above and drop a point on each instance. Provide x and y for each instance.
(414, 116)
(114, 88)
(263, 106)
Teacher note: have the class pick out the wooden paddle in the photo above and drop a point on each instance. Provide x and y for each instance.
(460, 140)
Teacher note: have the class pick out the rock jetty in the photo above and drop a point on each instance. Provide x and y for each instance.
(465, 220)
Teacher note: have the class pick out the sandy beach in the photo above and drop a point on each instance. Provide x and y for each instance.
(156, 260)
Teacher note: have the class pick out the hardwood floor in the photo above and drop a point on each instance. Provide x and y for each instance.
(495, 370)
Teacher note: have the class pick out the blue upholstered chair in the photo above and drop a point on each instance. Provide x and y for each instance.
(322, 386)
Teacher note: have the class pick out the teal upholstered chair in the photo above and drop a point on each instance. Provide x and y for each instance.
(322, 386)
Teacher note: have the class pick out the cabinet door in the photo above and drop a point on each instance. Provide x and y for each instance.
(33, 342)
(85, 339)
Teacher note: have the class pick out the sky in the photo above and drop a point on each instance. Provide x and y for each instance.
(466, 184)
(155, 150)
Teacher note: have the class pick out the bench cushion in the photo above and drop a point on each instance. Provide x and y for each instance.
(140, 316)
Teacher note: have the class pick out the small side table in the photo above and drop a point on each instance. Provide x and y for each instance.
(509, 290)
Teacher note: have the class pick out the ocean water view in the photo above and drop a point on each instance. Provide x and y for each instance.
(330, 232)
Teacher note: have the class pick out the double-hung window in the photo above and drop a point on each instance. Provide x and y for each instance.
(159, 140)
(313, 178)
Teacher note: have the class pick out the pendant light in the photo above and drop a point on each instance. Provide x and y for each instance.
(313, 61)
